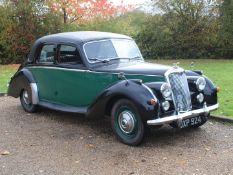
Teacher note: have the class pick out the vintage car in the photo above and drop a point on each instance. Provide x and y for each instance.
(104, 74)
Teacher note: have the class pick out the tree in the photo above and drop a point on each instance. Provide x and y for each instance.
(226, 28)
(188, 28)
(27, 20)
(77, 11)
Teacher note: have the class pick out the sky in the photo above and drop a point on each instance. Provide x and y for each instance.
(130, 2)
(141, 4)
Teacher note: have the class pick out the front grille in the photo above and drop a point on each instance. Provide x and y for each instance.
(180, 90)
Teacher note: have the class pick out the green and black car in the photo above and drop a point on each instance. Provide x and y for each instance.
(98, 74)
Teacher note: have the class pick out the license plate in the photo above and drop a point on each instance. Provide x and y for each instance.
(190, 122)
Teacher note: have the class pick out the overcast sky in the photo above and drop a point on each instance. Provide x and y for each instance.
(131, 2)
(142, 4)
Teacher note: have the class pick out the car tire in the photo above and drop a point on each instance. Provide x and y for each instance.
(26, 103)
(203, 118)
(126, 123)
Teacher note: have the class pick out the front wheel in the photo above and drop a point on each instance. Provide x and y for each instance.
(26, 102)
(126, 123)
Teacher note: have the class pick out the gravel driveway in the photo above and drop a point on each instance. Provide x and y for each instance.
(51, 142)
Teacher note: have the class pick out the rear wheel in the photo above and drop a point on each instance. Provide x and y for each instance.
(26, 102)
(126, 123)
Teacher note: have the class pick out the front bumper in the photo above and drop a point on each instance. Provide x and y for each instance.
(166, 120)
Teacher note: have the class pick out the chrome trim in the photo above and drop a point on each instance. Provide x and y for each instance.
(58, 68)
(173, 69)
(166, 120)
(126, 122)
(80, 70)
(34, 89)
(150, 91)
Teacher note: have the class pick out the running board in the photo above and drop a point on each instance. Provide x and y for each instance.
(58, 107)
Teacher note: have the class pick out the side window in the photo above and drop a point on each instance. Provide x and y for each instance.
(69, 54)
(47, 54)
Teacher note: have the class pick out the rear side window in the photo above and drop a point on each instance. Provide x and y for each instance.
(47, 54)
(69, 54)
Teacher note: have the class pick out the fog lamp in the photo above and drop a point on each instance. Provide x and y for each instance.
(166, 105)
(200, 98)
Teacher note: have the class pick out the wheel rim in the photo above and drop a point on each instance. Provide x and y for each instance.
(126, 122)
(25, 97)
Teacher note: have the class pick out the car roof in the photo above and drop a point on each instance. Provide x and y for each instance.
(82, 36)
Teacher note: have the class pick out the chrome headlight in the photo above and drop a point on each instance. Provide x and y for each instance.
(201, 83)
(166, 90)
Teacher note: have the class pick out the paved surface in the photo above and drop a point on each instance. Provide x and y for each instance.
(50, 142)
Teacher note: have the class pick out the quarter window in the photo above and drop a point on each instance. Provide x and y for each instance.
(47, 54)
(69, 54)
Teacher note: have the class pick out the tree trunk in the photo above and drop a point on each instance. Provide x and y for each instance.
(64, 15)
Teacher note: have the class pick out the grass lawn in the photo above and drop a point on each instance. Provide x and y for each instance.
(6, 71)
(219, 71)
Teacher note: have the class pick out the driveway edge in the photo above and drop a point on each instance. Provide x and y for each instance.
(3, 94)
(221, 119)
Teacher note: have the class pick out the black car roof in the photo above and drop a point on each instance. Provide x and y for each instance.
(74, 37)
(82, 36)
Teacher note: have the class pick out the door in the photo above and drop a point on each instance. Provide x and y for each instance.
(43, 74)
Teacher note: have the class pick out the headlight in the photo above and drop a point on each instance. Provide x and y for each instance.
(166, 90)
(201, 83)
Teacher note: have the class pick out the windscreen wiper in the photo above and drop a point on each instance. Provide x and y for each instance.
(99, 60)
(130, 58)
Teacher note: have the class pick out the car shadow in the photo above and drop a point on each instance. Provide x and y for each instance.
(162, 137)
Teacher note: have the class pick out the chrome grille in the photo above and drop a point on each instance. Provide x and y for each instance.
(180, 90)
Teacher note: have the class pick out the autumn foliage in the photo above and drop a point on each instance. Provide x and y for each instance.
(23, 21)
(78, 11)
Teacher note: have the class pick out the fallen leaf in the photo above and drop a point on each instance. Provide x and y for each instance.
(5, 153)
(182, 162)
(91, 146)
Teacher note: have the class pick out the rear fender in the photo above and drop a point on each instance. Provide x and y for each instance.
(23, 79)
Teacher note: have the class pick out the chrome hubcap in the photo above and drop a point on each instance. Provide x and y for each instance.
(126, 122)
(25, 97)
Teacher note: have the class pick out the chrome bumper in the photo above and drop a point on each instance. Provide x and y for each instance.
(166, 120)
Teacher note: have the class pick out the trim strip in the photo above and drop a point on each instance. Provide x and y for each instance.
(80, 70)
(181, 116)
(35, 98)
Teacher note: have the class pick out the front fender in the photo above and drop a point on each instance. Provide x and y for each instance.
(137, 92)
